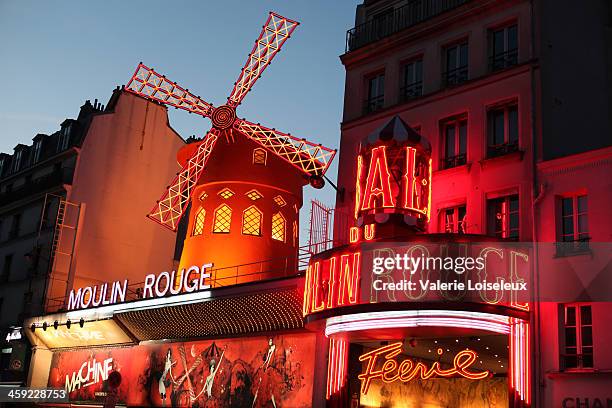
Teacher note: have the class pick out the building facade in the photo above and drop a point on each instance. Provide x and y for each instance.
(456, 142)
(485, 82)
(65, 210)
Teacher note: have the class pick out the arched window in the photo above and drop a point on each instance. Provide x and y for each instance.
(223, 219)
(279, 227)
(198, 222)
(259, 156)
(251, 221)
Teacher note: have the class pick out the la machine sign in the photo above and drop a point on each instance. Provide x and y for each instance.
(187, 280)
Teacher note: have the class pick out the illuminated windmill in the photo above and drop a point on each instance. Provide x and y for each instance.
(293, 162)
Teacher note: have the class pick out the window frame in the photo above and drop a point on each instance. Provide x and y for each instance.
(215, 217)
(459, 74)
(374, 103)
(260, 226)
(506, 231)
(458, 225)
(17, 160)
(198, 222)
(458, 159)
(580, 239)
(37, 150)
(496, 150)
(578, 328)
(509, 56)
(256, 160)
(284, 227)
(414, 89)
(6, 267)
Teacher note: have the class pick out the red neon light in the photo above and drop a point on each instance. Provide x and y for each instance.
(358, 185)
(349, 278)
(354, 233)
(332, 283)
(378, 183)
(414, 187)
(369, 232)
(407, 370)
(333, 279)
(336, 366)
(318, 303)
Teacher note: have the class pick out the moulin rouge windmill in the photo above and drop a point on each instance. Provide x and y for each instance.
(242, 192)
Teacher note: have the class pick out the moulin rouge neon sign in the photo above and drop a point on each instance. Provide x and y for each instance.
(186, 280)
(409, 369)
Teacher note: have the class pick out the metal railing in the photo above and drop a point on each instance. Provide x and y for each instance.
(503, 60)
(454, 161)
(455, 76)
(416, 11)
(501, 149)
(56, 178)
(573, 247)
(373, 104)
(411, 91)
(219, 277)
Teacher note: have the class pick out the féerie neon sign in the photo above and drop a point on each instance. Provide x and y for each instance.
(408, 369)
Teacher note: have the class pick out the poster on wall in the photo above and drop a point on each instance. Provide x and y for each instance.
(253, 372)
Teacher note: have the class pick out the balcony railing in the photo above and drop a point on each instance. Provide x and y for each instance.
(454, 161)
(56, 178)
(503, 60)
(454, 76)
(573, 247)
(501, 149)
(416, 11)
(268, 269)
(411, 91)
(373, 104)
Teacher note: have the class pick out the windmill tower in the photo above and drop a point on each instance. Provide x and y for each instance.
(243, 180)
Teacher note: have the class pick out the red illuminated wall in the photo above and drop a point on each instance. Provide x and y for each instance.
(246, 376)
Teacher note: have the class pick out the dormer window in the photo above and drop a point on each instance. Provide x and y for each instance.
(64, 138)
(259, 156)
(37, 151)
(17, 158)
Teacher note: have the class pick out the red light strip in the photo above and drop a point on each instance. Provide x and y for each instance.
(310, 158)
(148, 83)
(274, 33)
(337, 366)
(171, 206)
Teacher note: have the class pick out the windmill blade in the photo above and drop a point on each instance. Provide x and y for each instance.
(171, 206)
(272, 37)
(310, 158)
(148, 83)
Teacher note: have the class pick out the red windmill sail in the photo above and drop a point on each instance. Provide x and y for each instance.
(311, 159)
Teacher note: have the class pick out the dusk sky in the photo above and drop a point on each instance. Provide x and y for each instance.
(56, 54)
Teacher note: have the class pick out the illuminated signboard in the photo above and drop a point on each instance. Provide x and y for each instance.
(262, 371)
(391, 370)
(393, 176)
(380, 190)
(380, 272)
(94, 333)
(187, 280)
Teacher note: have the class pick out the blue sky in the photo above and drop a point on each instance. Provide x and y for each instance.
(56, 54)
